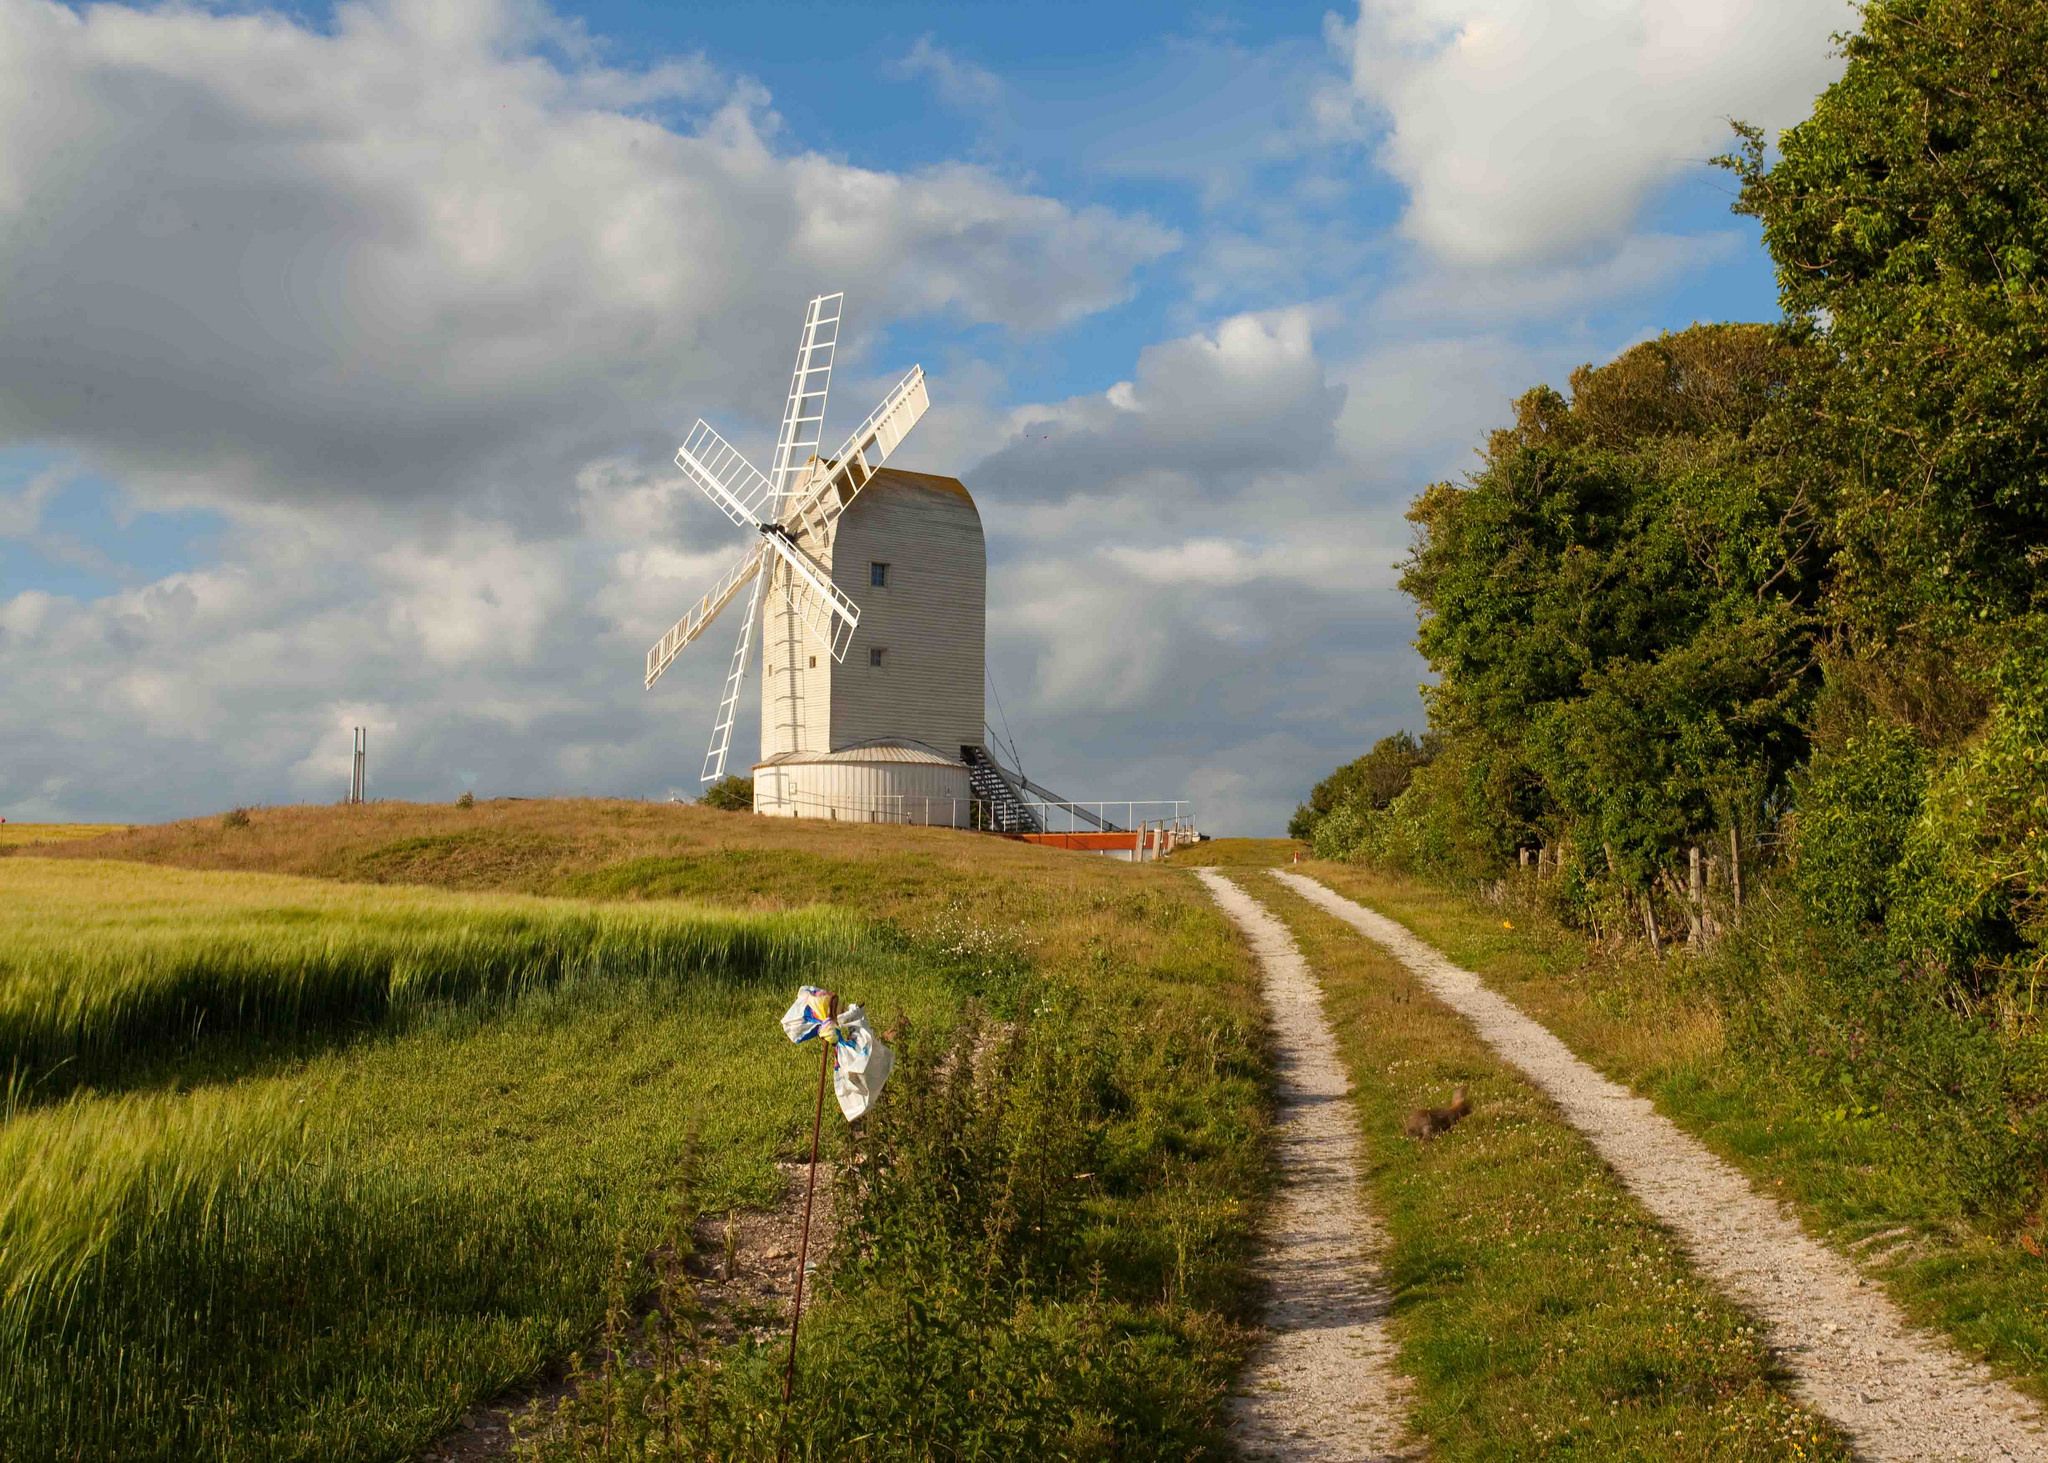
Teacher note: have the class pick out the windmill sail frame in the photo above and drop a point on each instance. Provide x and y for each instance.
(794, 504)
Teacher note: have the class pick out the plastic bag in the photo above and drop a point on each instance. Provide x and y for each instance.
(861, 1060)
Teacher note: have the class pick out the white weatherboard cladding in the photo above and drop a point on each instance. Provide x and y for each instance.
(866, 792)
(929, 620)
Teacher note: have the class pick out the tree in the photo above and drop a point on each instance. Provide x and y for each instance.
(1908, 219)
(1618, 605)
(1367, 783)
(730, 794)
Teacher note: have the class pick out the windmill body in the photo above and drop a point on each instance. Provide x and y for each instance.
(886, 730)
(866, 590)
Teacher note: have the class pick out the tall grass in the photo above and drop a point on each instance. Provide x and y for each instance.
(207, 1276)
(106, 965)
(1047, 1225)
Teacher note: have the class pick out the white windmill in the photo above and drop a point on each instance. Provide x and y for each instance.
(895, 732)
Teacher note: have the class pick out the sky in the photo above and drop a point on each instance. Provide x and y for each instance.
(344, 351)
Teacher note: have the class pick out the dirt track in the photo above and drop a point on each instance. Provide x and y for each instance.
(1898, 1392)
(1323, 1385)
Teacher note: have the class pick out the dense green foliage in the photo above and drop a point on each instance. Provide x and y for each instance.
(730, 795)
(1787, 587)
(1364, 785)
(1908, 219)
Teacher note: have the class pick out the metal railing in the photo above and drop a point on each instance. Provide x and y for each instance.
(1151, 828)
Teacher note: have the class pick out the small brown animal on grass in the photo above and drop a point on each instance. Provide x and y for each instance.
(1427, 1122)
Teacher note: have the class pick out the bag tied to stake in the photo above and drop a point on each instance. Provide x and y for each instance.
(861, 1060)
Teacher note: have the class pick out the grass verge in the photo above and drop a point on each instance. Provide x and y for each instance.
(1849, 1177)
(1539, 1310)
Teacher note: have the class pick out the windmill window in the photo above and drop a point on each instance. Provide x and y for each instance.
(878, 576)
(814, 662)
(876, 654)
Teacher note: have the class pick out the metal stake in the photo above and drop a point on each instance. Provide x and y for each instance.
(830, 1039)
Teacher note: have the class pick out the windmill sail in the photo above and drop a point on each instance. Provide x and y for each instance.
(690, 626)
(735, 678)
(793, 507)
(803, 416)
(860, 458)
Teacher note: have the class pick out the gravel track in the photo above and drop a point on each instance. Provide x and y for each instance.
(1323, 1385)
(1899, 1392)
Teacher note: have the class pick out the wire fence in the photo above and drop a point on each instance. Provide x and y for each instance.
(1149, 828)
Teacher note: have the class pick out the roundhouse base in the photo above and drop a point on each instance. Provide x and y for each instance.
(883, 784)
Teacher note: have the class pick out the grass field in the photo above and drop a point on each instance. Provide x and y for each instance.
(105, 966)
(322, 1163)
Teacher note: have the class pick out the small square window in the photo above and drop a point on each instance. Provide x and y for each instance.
(814, 662)
(878, 577)
(875, 654)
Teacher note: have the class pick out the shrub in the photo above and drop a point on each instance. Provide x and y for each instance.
(1970, 901)
(730, 794)
(467, 800)
(1367, 783)
(1854, 813)
(986, 1298)
(1826, 1012)
(235, 818)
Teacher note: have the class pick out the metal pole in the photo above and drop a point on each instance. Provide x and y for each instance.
(830, 1043)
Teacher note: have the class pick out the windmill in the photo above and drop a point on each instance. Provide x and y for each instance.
(876, 717)
(792, 509)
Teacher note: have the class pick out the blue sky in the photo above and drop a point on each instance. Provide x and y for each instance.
(347, 348)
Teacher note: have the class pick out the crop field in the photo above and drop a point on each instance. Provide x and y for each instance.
(107, 966)
(18, 835)
(301, 1167)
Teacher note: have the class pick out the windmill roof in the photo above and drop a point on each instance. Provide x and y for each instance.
(924, 480)
(887, 750)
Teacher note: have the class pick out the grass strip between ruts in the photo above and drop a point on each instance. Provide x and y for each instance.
(1538, 1308)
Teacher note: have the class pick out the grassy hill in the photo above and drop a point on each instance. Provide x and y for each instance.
(329, 1122)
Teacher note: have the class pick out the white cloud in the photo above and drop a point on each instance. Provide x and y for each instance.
(482, 595)
(1523, 128)
(957, 82)
(410, 260)
(1211, 411)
